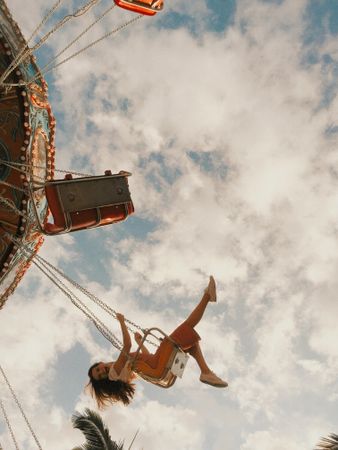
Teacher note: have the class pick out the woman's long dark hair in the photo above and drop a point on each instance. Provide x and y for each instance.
(107, 392)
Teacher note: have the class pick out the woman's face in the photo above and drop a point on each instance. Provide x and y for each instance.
(100, 372)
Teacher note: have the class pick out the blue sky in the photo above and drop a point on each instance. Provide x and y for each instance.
(226, 114)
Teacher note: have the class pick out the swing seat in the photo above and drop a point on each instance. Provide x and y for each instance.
(171, 363)
(146, 7)
(88, 202)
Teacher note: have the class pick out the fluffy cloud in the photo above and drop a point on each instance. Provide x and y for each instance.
(232, 144)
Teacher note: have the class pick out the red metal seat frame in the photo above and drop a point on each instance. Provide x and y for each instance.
(65, 221)
(141, 7)
(161, 375)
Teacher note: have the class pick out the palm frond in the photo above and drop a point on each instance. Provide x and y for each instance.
(96, 433)
(133, 440)
(328, 443)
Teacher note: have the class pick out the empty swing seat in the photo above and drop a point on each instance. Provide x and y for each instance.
(146, 7)
(170, 365)
(87, 202)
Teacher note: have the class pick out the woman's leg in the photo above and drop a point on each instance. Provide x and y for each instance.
(197, 313)
(196, 353)
(207, 376)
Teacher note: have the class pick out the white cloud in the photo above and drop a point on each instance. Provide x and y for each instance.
(271, 440)
(256, 206)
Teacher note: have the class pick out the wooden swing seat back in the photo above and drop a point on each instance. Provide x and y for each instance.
(140, 6)
(88, 202)
(171, 363)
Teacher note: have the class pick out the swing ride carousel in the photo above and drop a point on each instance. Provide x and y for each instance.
(29, 194)
(27, 136)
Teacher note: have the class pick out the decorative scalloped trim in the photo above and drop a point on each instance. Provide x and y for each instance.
(35, 96)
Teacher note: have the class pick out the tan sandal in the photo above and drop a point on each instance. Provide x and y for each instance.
(211, 289)
(213, 380)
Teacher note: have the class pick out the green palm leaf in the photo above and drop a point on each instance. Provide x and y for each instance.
(328, 443)
(96, 433)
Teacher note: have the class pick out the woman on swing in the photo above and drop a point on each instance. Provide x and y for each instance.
(112, 382)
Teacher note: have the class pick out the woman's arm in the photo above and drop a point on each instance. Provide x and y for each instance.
(125, 333)
(123, 357)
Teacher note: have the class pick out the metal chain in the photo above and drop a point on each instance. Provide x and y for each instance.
(18, 59)
(80, 305)
(80, 12)
(29, 255)
(87, 47)
(12, 206)
(79, 36)
(90, 295)
(52, 270)
(18, 167)
(101, 327)
(8, 425)
(74, 55)
(44, 20)
(72, 172)
(13, 186)
(12, 165)
(20, 408)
